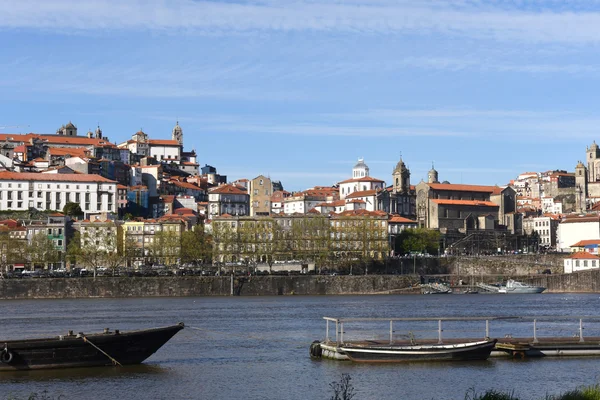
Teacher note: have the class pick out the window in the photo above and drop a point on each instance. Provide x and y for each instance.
(10, 185)
(48, 186)
(67, 186)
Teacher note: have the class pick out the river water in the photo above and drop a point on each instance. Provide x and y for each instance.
(257, 348)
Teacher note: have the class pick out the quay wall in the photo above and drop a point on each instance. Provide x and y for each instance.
(123, 287)
(476, 269)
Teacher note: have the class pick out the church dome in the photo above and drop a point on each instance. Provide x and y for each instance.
(360, 163)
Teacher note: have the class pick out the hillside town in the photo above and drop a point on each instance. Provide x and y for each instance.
(69, 199)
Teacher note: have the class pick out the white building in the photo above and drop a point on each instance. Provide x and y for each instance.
(22, 191)
(360, 182)
(165, 151)
(228, 199)
(581, 261)
(574, 228)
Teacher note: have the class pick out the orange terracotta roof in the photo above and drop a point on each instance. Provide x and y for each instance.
(72, 151)
(363, 179)
(313, 211)
(227, 189)
(396, 219)
(569, 219)
(583, 243)
(185, 185)
(32, 176)
(478, 203)
(583, 255)
(363, 193)
(56, 139)
(465, 188)
(159, 142)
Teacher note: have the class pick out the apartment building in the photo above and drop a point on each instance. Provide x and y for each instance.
(24, 191)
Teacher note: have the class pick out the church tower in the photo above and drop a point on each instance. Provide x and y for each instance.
(98, 132)
(401, 177)
(67, 130)
(580, 188)
(432, 175)
(177, 134)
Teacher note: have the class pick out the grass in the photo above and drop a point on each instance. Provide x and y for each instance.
(583, 393)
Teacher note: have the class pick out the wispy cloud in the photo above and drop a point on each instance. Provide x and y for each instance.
(333, 130)
(471, 19)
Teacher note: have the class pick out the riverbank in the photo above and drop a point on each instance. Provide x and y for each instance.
(127, 287)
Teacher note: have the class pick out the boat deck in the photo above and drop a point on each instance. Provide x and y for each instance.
(508, 345)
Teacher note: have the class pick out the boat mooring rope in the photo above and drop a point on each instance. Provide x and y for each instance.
(115, 362)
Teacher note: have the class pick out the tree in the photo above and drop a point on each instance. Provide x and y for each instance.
(420, 240)
(41, 250)
(97, 246)
(11, 250)
(165, 247)
(72, 210)
(196, 246)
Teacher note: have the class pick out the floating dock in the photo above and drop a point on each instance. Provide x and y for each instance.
(517, 337)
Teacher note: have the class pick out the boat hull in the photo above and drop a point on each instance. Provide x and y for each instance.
(125, 348)
(457, 352)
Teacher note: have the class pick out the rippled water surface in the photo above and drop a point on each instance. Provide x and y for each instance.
(257, 348)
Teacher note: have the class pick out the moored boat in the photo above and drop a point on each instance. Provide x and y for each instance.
(85, 350)
(516, 287)
(479, 350)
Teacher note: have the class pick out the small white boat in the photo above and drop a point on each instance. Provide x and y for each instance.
(516, 287)
(435, 352)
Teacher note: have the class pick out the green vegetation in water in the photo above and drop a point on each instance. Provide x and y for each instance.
(584, 393)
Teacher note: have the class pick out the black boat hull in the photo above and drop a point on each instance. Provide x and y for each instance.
(113, 348)
(465, 352)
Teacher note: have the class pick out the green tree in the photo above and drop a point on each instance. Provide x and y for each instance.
(420, 240)
(196, 246)
(165, 247)
(72, 210)
(42, 251)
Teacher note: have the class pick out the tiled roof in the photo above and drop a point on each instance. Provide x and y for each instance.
(363, 179)
(364, 193)
(569, 219)
(583, 255)
(396, 219)
(478, 203)
(227, 189)
(159, 142)
(32, 176)
(465, 188)
(56, 139)
(72, 151)
(357, 201)
(583, 243)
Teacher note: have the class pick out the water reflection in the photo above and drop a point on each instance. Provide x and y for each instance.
(79, 374)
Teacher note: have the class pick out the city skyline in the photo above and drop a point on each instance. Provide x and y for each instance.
(300, 90)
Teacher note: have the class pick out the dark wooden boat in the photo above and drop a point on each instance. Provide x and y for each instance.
(85, 350)
(429, 352)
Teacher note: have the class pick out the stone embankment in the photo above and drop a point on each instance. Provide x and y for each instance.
(122, 287)
(527, 268)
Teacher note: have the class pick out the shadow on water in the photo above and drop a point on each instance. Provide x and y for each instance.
(79, 374)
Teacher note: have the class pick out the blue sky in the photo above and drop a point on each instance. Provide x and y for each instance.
(298, 90)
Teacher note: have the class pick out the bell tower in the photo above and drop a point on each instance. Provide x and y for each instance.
(177, 134)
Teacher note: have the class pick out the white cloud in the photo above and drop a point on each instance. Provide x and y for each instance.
(471, 19)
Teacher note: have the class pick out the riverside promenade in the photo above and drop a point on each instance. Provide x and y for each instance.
(483, 269)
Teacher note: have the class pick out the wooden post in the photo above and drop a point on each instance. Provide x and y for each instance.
(440, 331)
